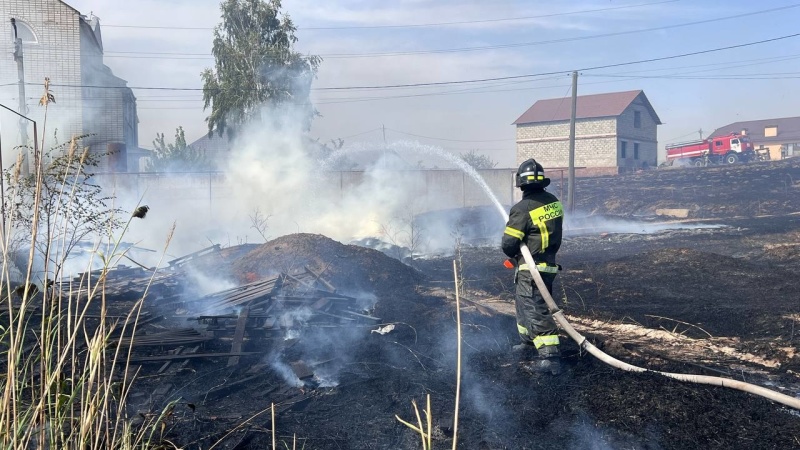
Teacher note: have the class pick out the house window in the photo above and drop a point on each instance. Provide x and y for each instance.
(623, 146)
(24, 32)
(635, 150)
(770, 131)
(637, 119)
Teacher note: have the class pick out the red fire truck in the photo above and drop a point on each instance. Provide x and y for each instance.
(724, 149)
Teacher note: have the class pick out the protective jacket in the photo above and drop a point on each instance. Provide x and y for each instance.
(536, 220)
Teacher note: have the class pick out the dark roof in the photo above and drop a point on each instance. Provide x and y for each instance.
(588, 106)
(215, 144)
(788, 130)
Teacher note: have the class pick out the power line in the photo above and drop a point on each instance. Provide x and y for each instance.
(359, 134)
(756, 76)
(605, 66)
(419, 25)
(449, 140)
(193, 97)
(345, 100)
(553, 41)
(471, 81)
(192, 56)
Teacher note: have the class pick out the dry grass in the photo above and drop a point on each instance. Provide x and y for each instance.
(65, 382)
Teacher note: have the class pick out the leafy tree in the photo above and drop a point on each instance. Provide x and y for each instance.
(175, 157)
(255, 65)
(478, 161)
(70, 208)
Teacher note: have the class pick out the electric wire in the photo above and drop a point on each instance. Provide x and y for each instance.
(338, 100)
(585, 69)
(509, 45)
(419, 25)
(470, 81)
(448, 140)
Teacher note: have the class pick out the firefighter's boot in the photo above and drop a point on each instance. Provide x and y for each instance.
(523, 351)
(548, 361)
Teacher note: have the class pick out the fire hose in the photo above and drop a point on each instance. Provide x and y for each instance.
(584, 344)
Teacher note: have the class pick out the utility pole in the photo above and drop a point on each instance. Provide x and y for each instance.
(571, 182)
(35, 152)
(23, 108)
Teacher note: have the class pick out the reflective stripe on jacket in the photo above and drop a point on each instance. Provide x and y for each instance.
(536, 220)
(541, 267)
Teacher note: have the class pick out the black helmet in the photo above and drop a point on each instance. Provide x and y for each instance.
(531, 173)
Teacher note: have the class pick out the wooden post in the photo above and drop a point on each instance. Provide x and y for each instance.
(571, 186)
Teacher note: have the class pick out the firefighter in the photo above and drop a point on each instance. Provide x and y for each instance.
(536, 221)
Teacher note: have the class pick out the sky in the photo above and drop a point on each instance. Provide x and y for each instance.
(726, 75)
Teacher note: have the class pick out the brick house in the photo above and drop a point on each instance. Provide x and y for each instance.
(780, 136)
(614, 132)
(60, 43)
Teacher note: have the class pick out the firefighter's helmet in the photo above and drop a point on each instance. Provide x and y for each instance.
(531, 174)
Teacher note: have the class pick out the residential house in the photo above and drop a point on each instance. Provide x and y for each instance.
(60, 43)
(780, 136)
(614, 132)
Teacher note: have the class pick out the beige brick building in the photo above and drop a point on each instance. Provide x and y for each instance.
(614, 132)
(60, 43)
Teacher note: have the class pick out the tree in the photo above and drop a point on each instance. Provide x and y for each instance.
(255, 66)
(70, 206)
(478, 161)
(177, 156)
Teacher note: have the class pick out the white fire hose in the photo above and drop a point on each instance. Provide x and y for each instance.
(584, 344)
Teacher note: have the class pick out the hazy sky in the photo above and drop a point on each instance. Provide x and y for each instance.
(370, 43)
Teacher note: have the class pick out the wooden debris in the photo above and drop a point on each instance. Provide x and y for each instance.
(302, 370)
(238, 336)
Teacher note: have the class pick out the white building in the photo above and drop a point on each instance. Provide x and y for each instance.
(60, 43)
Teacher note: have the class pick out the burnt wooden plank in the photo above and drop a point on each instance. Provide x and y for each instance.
(321, 303)
(302, 370)
(377, 319)
(238, 336)
(168, 362)
(318, 277)
(270, 322)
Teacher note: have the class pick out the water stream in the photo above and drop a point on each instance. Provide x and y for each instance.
(400, 147)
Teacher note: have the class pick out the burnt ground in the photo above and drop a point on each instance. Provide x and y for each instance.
(721, 299)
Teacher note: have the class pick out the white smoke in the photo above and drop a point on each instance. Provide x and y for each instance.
(270, 169)
(579, 223)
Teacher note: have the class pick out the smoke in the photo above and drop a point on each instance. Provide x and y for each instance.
(283, 370)
(321, 346)
(203, 284)
(270, 169)
(585, 434)
(579, 223)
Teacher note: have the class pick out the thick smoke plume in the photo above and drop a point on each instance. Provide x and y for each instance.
(271, 171)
